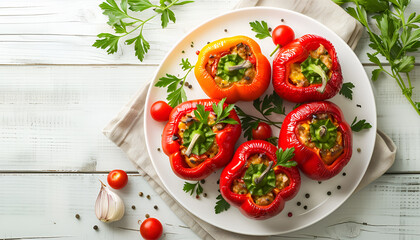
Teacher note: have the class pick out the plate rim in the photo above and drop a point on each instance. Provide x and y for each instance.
(374, 123)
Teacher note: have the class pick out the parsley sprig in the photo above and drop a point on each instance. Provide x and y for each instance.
(193, 187)
(221, 204)
(175, 85)
(357, 126)
(284, 157)
(398, 36)
(265, 106)
(347, 90)
(125, 24)
(261, 28)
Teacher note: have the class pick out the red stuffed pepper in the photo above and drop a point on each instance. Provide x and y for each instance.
(321, 137)
(200, 137)
(307, 69)
(259, 179)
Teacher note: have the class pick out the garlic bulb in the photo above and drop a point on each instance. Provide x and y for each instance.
(109, 207)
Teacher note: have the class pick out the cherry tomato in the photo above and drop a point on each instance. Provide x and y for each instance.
(160, 111)
(117, 179)
(151, 229)
(282, 35)
(262, 132)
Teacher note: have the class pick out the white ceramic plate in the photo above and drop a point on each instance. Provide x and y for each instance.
(319, 204)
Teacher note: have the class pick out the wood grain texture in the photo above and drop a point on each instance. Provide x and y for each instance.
(62, 32)
(45, 206)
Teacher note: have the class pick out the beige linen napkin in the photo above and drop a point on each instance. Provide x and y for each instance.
(126, 129)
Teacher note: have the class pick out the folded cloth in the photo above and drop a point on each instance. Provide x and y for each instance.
(127, 132)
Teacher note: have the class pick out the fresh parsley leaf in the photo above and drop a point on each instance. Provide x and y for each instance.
(201, 114)
(223, 113)
(273, 140)
(109, 41)
(397, 36)
(261, 28)
(141, 46)
(375, 74)
(269, 104)
(175, 85)
(347, 90)
(139, 5)
(284, 157)
(120, 19)
(297, 105)
(193, 187)
(221, 205)
(360, 125)
(418, 105)
(248, 122)
(185, 64)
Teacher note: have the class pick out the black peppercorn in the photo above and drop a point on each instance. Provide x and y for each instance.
(299, 203)
(359, 150)
(338, 187)
(95, 227)
(147, 215)
(148, 196)
(77, 216)
(305, 207)
(155, 207)
(344, 174)
(133, 207)
(203, 181)
(307, 195)
(141, 194)
(225, 30)
(328, 193)
(205, 194)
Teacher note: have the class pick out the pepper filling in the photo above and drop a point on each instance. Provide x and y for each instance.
(206, 146)
(320, 133)
(234, 66)
(314, 70)
(265, 191)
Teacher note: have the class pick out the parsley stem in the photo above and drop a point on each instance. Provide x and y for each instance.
(266, 120)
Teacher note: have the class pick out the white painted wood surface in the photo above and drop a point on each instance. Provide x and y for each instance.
(57, 92)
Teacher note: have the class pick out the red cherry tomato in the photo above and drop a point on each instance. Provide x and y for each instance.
(262, 132)
(282, 35)
(117, 179)
(160, 111)
(151, 229)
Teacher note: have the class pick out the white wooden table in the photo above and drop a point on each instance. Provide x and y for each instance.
(57, 93)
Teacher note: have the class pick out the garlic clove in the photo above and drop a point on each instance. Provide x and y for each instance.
(109, 207)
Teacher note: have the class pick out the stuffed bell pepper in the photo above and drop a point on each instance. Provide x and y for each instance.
(259, 179)
(321, 137)
(307, 69)
(233, 68)
(200, 137)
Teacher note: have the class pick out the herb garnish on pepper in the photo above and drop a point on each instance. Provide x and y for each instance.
(259, 179)
(200, 137)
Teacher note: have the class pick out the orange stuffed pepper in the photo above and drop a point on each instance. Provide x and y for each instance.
(233, 68)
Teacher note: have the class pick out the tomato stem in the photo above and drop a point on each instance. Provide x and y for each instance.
(275, 50)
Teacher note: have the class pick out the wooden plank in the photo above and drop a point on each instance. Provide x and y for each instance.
(398, 119)
(62, 32)
(52, 116)
(44, 205)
